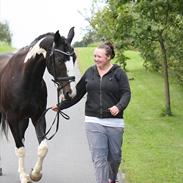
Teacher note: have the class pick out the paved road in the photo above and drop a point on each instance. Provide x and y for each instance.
(68, 159)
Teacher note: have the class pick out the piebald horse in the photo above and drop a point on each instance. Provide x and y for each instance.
(23, 92)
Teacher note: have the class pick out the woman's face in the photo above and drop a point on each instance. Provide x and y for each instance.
(100, 57)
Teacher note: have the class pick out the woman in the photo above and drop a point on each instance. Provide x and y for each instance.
(108, 94)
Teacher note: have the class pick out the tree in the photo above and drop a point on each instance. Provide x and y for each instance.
(89, 37)
(5, 35)
(157, 30)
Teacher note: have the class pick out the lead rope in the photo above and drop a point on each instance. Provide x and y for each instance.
(56, 118)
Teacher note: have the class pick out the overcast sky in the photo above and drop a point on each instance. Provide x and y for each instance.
(30, 18)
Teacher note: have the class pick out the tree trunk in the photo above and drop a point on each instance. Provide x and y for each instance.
(166, 78)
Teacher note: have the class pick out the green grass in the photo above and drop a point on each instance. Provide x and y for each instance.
(85, 55)
(153, 144)
(4, 48)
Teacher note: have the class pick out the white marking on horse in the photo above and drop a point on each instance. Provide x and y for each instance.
(20, 152)
(42, 151)
(70, 71)
(36, 49)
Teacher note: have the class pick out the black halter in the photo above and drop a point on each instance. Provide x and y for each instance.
(58, 80)
(52, 57)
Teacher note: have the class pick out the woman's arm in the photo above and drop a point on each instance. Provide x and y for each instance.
(124, 90)
(80, 92)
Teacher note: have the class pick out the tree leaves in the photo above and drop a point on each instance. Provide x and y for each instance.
(5, 35)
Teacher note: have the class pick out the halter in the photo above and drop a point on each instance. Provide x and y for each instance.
(60, 86)
(63, 52)
(53, 49)
(57, 79)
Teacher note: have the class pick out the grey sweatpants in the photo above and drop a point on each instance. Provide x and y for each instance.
(105, 145)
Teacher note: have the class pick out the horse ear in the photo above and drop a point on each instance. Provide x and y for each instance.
(57, 38)
(70, 35)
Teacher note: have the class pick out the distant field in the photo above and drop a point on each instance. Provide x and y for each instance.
(153, 144)
(5, 48)
(85, 57)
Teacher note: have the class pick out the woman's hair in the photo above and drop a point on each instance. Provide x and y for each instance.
(109, 48)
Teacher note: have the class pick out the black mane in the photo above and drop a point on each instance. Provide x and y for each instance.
(40, 37)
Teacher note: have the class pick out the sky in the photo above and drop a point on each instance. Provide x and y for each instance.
(28, 19)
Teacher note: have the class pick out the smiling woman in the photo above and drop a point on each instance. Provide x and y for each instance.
(107, 95)
(28, 19)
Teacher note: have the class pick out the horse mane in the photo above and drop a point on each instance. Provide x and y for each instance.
(25, 49)
(40, 37)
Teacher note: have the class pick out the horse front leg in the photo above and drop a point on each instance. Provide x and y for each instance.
(24, 178)
(36, 173)
(20, 150)
(40, 128)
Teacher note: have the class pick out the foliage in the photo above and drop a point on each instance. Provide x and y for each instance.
(5, 35)
(154, 21)
(144, 25)
(89, 38)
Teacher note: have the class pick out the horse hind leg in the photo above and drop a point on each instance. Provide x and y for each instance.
(20, 150)
(3, 124)
(40, 128)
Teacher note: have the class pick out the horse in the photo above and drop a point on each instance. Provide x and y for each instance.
(4, 58)
(23, 91)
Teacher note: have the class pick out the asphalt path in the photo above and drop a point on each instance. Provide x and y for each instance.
(68, 159)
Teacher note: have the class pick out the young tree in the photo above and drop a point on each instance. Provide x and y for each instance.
(157, 30)
(5, 35)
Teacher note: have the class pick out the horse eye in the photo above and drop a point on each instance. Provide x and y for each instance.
(67, 58)
(60, 60)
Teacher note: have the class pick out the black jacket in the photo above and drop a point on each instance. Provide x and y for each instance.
(112, 89)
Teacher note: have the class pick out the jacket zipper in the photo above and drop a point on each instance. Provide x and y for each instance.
(101, 97)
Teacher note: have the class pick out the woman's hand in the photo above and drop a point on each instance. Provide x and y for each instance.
(55, 108)
(113, 110)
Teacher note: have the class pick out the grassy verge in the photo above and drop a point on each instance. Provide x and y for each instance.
(153, 145)
(85, 58)
(4, 48)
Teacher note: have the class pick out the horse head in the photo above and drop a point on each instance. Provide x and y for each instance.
(61, 63)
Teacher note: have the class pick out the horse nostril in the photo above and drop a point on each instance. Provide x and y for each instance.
(67, 95)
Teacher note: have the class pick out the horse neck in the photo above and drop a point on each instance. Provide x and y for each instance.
(33, 71)
(35, 61)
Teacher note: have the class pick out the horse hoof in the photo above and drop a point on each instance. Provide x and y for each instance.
(35, 176)
(25, 179)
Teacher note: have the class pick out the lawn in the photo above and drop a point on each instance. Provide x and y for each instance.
(153, 143)
(4, 47)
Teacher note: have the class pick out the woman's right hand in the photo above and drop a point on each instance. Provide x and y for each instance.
(55, 108)
(114, 110)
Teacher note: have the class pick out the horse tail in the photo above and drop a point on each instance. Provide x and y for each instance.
(4, 125)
